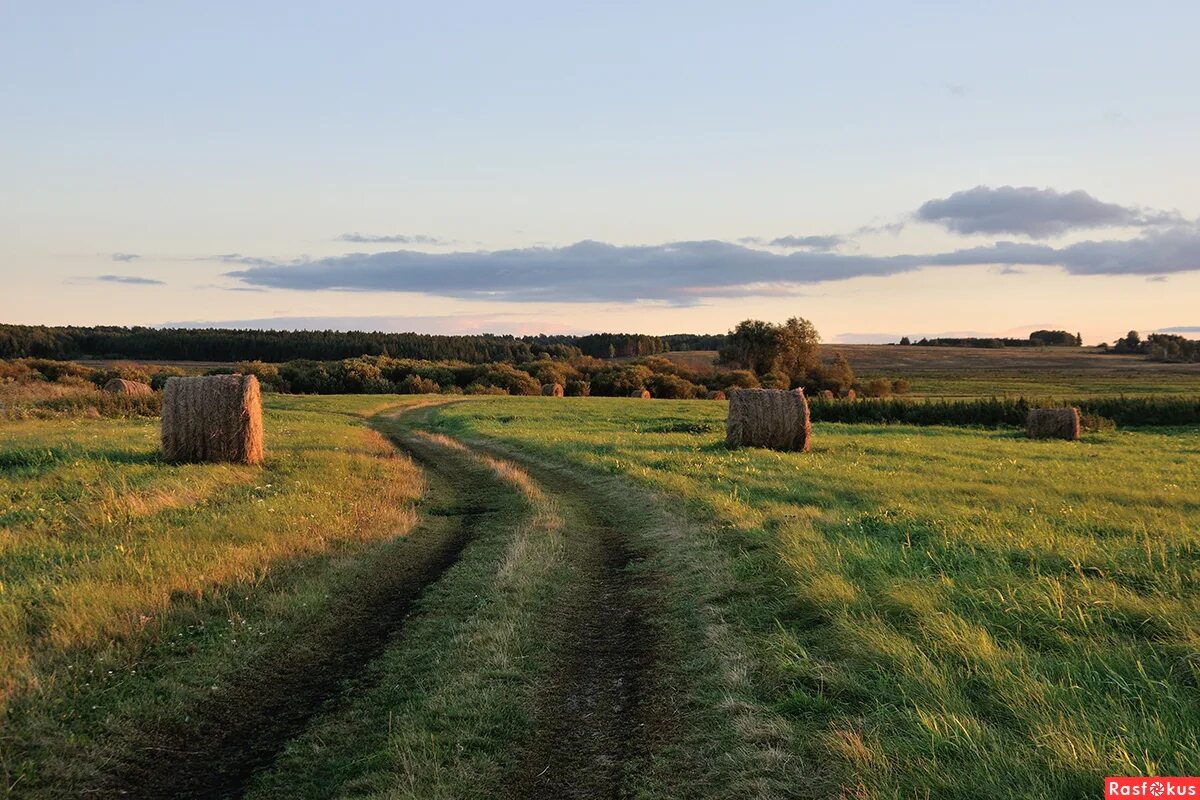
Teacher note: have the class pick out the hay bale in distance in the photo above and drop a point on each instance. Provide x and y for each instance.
(552, 390)
(1053, 423)
(827, 394)
(850, 394)
(214, 418)
(132, 388)
(641, 394)
(717, 395)
(773, 418)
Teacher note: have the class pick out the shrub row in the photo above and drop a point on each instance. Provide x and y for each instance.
(999, 411)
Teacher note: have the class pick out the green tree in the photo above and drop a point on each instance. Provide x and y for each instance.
(753, 345)
(776, 380)
(838, 377)
(799, 348)
(792, 348)
(1131, 343)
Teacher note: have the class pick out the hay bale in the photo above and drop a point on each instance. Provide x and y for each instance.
(1053, 423)
(773, 418)
(132, 388)
(552, 390)
(827, 394)
(214, 418)
(717, 395)
(850, 394)
(641, 394)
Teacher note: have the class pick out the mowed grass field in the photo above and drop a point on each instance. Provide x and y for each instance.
(902, 612)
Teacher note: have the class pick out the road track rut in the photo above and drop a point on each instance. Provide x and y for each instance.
(597, 720)
(239, 732)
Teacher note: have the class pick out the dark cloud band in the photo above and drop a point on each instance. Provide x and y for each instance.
(594, 271)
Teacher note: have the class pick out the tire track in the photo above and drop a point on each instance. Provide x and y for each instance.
(238, 732)
(654, 694)
(598, 719)
(592, 716)
(599, 716)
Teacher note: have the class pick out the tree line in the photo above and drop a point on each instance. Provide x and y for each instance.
(221, 344)
(1036, 339)
(1166, 347)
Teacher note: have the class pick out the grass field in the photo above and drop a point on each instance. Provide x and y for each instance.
(980, 372)
(967, 613)
(592, 597)
(125, 582)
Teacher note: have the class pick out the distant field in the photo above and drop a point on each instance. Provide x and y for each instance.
(983, 372)
(197, 367)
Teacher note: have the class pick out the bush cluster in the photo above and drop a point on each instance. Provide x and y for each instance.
(580, 376)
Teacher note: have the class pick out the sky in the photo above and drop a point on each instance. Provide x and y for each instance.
(880, 168)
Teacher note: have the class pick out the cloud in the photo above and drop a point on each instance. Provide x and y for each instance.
(585, 271)
(396, 238)
(1180, 329)
(125, 257)
(822, 243)
(452, 324)
(808, 242)
(238, 258)
(129, 279)
(888, 227)
(678, 272)
(1036, 213)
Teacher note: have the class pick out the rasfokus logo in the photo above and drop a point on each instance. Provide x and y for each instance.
(1151, 787)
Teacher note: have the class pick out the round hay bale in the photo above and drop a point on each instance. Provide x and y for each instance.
(1053, 423)
(641, 394)
(827, 394)
(717, 395)
(773, 418)
(133, 388)
(213, 418)
(552, 390)
(850, 394)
